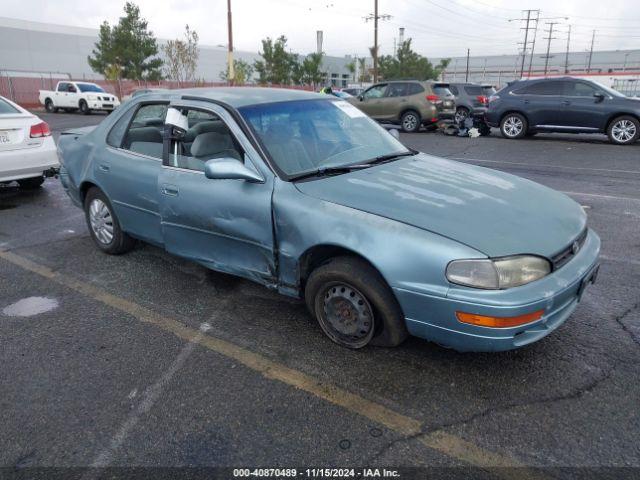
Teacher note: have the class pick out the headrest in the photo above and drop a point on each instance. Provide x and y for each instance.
(209, 144)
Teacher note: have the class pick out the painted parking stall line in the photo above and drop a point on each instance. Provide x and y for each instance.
(448, 444)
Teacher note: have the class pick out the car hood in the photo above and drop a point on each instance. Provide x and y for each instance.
(493, 212)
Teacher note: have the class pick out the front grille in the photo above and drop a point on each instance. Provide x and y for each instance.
(107, 105)
(561, 258)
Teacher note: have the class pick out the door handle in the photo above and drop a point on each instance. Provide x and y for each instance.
(566, 102)
(104, 167)
(170, 190)
(526, 101)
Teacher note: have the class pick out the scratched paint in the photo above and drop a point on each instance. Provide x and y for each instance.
(29, 307)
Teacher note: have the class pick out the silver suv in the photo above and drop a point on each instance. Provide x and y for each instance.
(471, 99)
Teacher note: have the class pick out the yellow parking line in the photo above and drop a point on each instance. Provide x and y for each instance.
(441, 441)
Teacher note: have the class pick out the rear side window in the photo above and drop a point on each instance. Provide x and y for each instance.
(546, 88)
(414, 88)
(144, 134)
(114, 139)
(6, 107)
(473, 90)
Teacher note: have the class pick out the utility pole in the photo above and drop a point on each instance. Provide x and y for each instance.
(549, 38)
(593, 38)
(231, 74)
(566, 56)
(533, 44)
(526, 29)
(375, 17)
(466, 77)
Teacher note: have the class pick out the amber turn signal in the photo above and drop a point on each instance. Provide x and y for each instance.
(499, 322)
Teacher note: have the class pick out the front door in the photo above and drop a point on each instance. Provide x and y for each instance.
(226, 224)
(372, 102)
(582, 108)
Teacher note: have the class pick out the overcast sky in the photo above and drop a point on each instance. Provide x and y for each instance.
(438, 27)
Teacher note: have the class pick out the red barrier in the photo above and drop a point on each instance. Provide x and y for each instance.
(25, 90)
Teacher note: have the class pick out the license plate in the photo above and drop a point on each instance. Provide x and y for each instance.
(4, 137)
(590, 277)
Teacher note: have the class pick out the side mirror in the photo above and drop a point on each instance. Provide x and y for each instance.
(394, 133)
(361, 97)
(598, 96)
(228, 168)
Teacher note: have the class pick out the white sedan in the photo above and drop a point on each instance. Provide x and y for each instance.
(27, 150)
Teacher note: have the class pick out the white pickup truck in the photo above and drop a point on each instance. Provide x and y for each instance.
(71, 96)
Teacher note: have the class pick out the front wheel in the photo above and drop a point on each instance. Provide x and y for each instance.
(84, 108)
(513, 125)
(624, 130)
(461, 114)
(353, 304)
(410, 121)
(104, 225)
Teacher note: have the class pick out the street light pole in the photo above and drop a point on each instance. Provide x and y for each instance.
(231, 74)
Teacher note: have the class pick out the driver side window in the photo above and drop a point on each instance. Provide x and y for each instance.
(376, 91)
(207, 138)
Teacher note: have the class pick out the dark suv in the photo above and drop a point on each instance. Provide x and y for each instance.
(568, 105)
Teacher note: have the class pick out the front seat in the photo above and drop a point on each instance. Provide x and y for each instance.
(211, 145)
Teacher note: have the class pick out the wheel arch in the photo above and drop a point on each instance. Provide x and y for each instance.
(84, 188)
(410, 109)
(613, 116)
(519, 112)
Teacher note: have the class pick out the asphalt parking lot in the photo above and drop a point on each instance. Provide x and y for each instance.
(148, 360)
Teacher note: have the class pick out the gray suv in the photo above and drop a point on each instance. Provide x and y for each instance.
(471, 99)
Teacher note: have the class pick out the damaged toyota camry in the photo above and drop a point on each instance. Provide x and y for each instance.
(305, 194)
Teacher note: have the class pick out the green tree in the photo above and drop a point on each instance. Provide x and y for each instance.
(409, 64)
(311, 69)
(243, 72)
(277, 65)
(182, 57)
(351, 66)
(129, 45)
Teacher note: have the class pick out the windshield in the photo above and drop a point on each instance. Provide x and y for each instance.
(89, 87)
(303, 136)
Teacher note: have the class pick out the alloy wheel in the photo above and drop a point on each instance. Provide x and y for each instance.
(101, 221)
(513, 126)
(460, 115)
(409, 122)
(623, 130)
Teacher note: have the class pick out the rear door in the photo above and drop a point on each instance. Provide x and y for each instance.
(224, 224)
(128, 169)
(543, 103)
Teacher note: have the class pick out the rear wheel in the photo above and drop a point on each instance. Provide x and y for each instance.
(410, 121)
(104, 225)
(513, 125)
(624, 130)
(353, 304)
(84, 108)
(31, 183)
(461, 114)
(49, 107)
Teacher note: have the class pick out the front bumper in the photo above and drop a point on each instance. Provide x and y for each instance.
(29, 162)
(434, 317)
(101, 105)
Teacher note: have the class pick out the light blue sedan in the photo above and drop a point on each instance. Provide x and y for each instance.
(305, 194)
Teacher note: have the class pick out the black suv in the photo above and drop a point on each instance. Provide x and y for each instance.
(568, 105)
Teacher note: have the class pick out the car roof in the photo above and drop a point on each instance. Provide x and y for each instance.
(238, 97)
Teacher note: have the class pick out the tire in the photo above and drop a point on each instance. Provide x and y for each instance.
(84, 108)
(513, 126)
(349, 294)
(410, 121)
(461, 114)
(623, 130)
(31, 183)
(103, 224)
(49, 107)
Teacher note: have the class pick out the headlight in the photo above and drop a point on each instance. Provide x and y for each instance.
(498, 273)
(92, 97)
